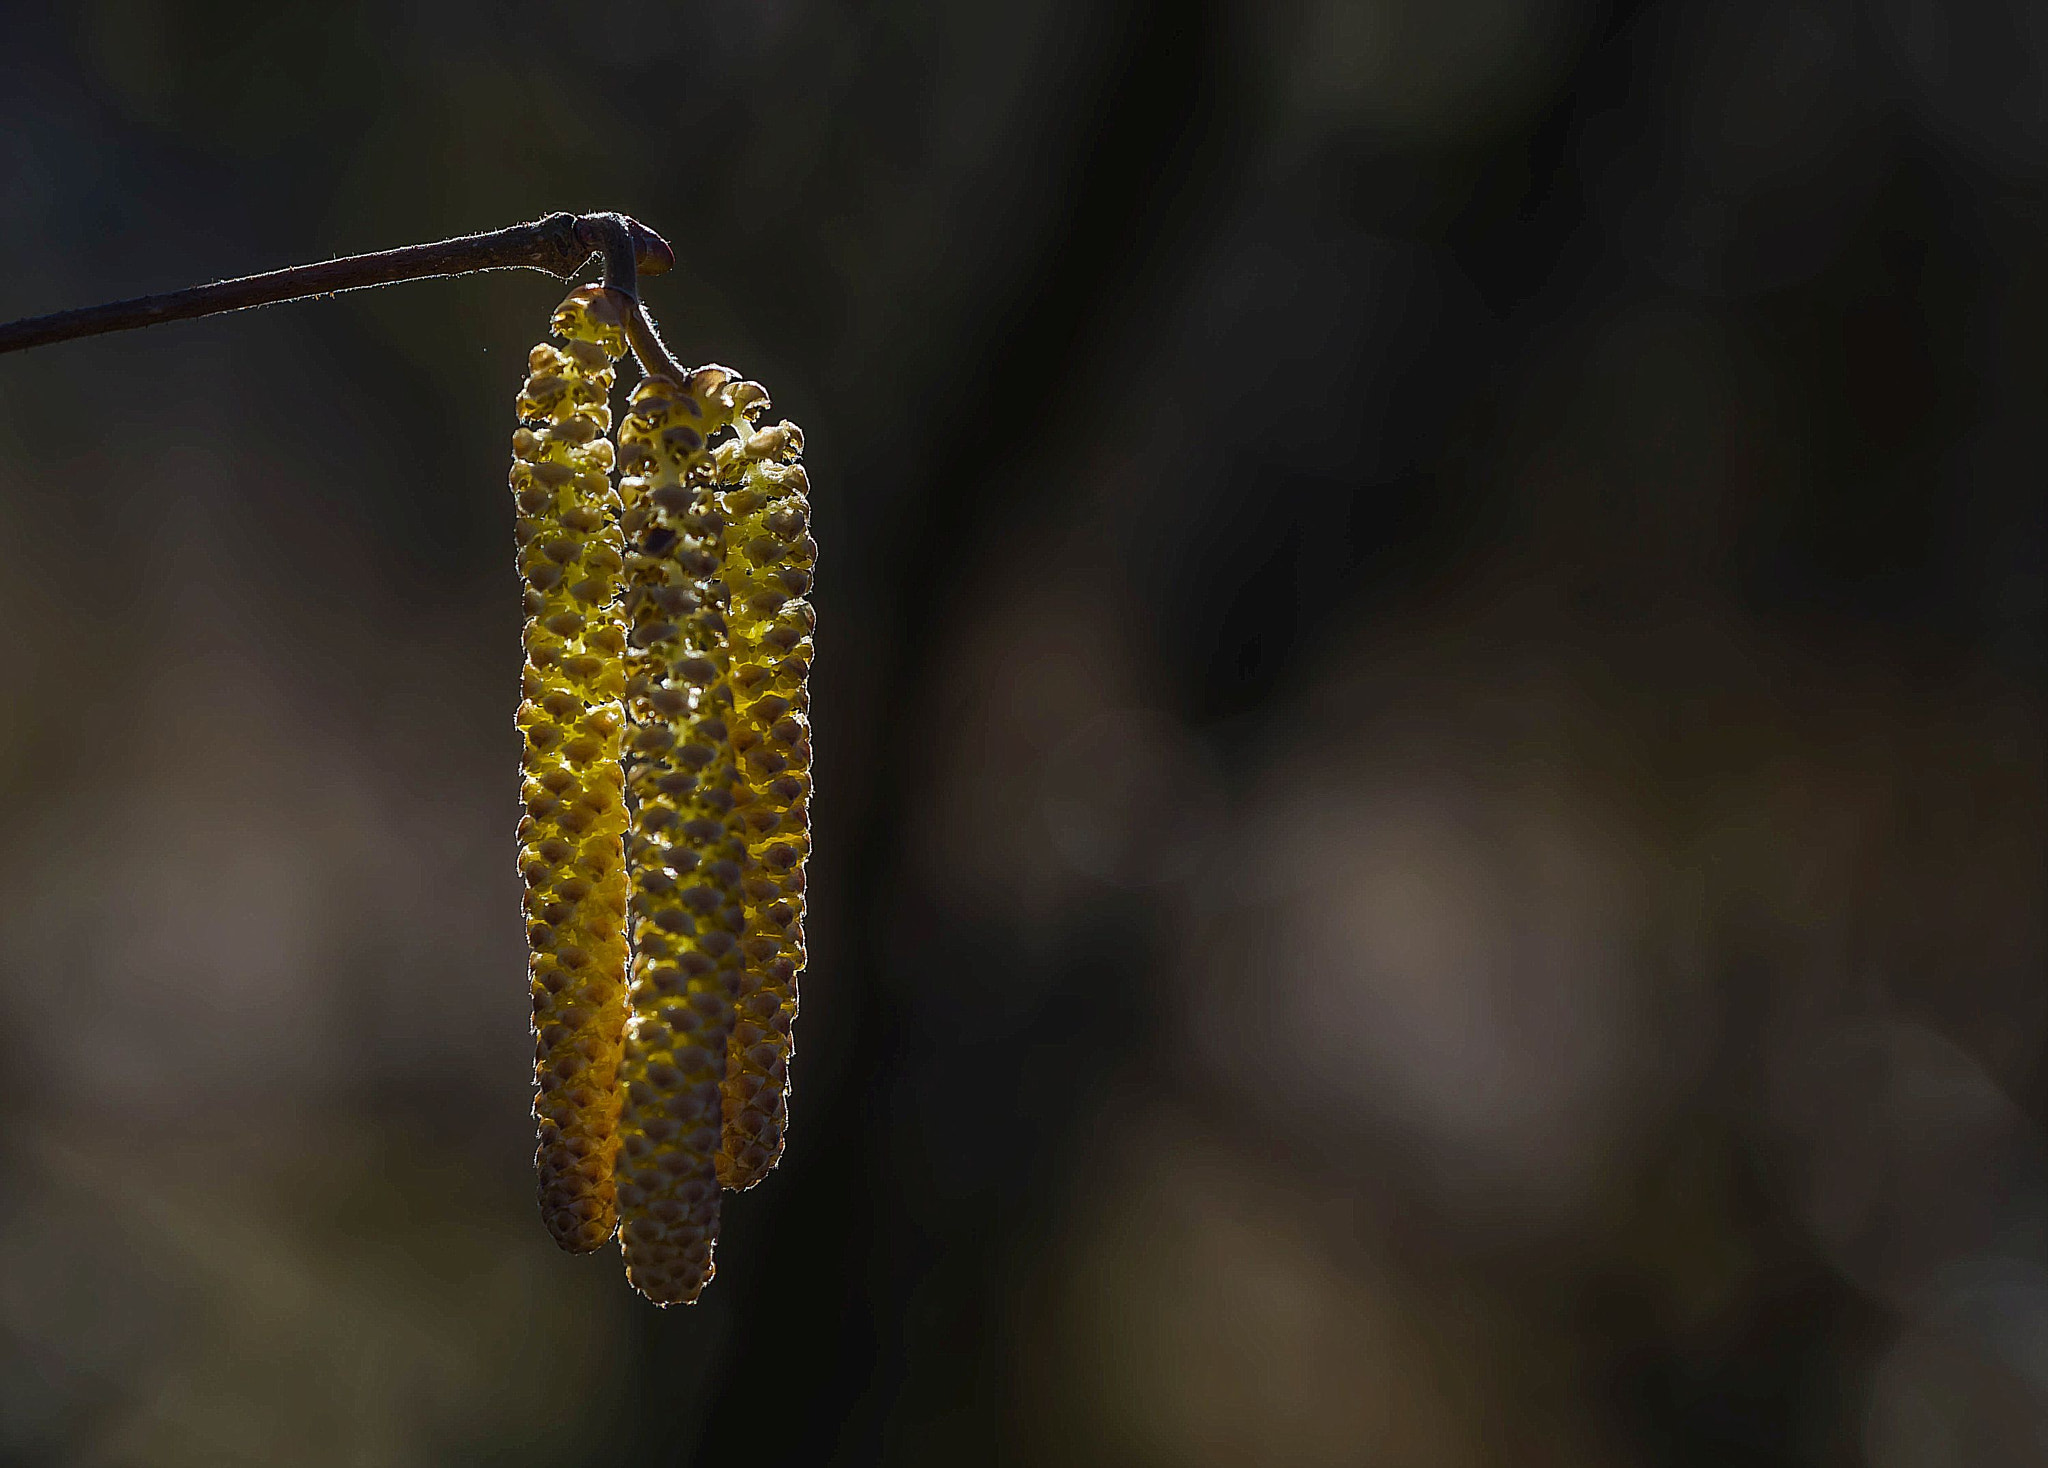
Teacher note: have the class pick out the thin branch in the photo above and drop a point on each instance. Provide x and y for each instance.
(560, 244)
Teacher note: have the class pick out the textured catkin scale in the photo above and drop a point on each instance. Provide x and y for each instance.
(572, 835)
(687, 851)
(764, 495)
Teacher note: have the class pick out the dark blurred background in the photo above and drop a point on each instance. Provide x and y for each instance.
(1430, 841)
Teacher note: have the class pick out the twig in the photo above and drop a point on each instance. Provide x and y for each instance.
(559, 244)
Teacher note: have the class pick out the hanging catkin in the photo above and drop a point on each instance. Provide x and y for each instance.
(687, 851)
(765, 499)
(571, 838)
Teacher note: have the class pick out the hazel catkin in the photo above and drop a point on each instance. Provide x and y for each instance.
(571, 837)
(687, 851)
(764, 495)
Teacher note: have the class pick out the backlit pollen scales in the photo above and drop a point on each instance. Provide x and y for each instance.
(571, 837)
(688, 848)
(765, 498)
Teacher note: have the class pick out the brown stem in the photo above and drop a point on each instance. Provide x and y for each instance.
(653, 352)
(559, 244)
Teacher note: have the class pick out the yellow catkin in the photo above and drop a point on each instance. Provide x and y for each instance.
(687, 851)
(765, 498)
(572, 836)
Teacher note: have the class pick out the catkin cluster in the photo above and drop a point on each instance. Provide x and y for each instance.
(571, 838)
(667, 788)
